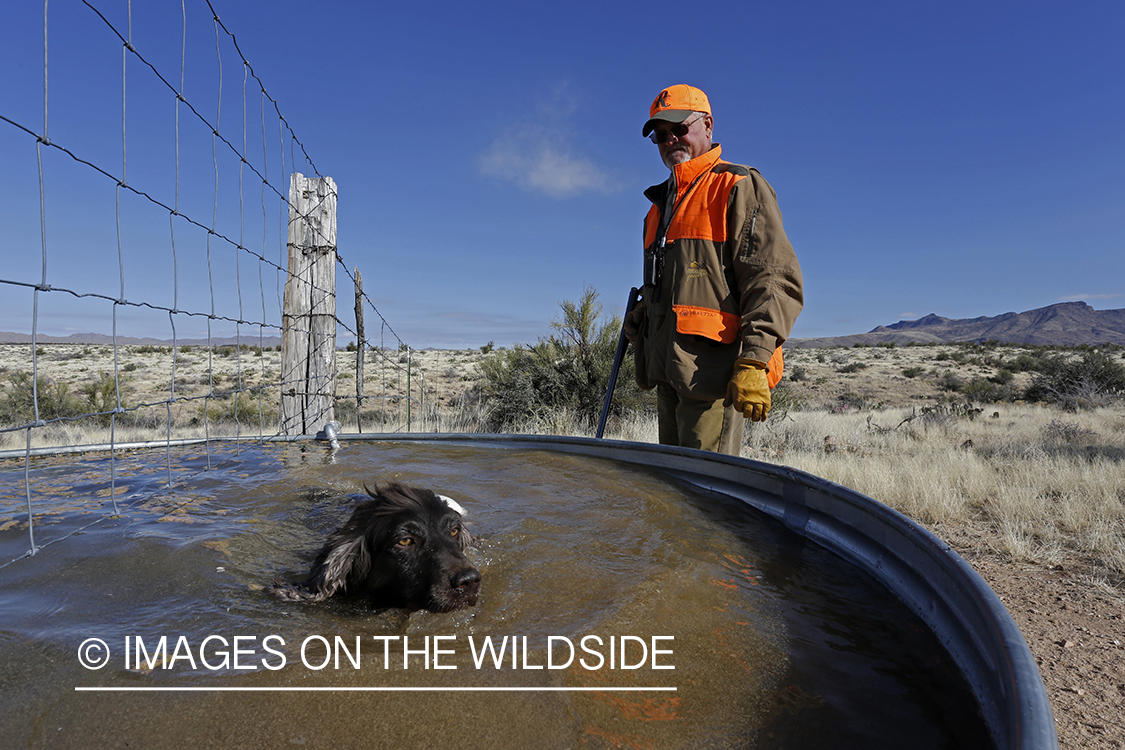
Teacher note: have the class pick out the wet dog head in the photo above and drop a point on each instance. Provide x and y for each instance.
(405, 547)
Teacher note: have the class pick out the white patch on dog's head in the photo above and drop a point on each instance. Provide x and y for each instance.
(453, 505)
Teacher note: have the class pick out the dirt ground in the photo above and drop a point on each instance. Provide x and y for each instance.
(1076, 631)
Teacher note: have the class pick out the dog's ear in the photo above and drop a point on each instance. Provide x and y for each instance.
(453, 505)
(346, 555)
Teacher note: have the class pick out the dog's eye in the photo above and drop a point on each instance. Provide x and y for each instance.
(455, 531)
(405, 541)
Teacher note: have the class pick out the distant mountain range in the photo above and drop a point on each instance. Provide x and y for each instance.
(1064, 324)
(7, 337)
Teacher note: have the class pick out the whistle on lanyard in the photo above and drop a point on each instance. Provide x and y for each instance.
(654, 268)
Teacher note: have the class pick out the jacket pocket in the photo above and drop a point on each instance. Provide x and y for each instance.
(692, 320)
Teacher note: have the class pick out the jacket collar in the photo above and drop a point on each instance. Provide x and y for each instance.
(687, 172)
(683, 175)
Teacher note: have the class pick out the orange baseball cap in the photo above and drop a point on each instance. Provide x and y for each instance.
(676, 104)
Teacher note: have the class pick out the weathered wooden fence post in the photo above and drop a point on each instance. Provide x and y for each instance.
(308, 337)
(359, 344)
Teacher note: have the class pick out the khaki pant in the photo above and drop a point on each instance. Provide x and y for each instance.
(691, 423)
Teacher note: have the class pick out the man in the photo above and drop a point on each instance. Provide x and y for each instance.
(722, 284)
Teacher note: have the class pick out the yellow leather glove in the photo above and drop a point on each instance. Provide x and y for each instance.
(633, 321)
(748, 389)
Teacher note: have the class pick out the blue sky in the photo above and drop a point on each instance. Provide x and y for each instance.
(958, 158)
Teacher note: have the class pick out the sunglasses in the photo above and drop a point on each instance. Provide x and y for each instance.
(680, 130)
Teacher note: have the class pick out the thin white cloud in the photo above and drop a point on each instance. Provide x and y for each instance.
(539, 155)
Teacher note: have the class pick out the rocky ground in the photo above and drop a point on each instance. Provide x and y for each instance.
(1076, 631)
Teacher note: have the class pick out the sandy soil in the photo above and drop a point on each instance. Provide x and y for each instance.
(1074, 625)
(1077, 633)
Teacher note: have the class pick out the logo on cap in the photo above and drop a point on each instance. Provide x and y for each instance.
(662, 100)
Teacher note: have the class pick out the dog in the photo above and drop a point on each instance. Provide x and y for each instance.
(405, 547)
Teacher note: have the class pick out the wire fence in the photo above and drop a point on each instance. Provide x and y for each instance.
(169, 213)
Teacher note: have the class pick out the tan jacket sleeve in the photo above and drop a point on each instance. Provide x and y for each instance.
(766, 271)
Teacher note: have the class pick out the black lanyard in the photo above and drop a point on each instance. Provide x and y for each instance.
(662, 234)
(654, 255)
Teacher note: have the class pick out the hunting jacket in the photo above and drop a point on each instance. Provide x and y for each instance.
(727, 282)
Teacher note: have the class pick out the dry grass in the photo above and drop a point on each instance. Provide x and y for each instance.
(1036, 485)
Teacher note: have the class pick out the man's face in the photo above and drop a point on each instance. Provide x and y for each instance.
(695, 142)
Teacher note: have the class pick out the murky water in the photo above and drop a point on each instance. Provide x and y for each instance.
(619, 608)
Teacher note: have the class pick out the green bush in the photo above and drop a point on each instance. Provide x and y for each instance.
(55, 400)
(101, 396)
(1093, 379)
(567, 370)
(988, 390)
(1023, 362)
(243, 407)
(1003, 376)
(950, 382)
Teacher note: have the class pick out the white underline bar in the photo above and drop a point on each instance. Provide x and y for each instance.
(372, 689)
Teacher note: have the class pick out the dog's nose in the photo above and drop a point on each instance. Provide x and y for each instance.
(467, 579)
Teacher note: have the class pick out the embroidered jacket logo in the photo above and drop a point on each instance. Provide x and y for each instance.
(696, 270)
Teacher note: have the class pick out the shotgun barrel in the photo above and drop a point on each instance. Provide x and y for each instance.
(634, 297)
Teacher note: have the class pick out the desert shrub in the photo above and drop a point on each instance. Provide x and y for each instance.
(1003, 376)
(852, 367)
(783, 400)
(568, 370)
(1059, 432)
(913, 372)
(950, 382)
(55, 400)
(1023, 362)
(987, 390)
(849, 400)
(1090, 380)
(243, 407)
(345, 409)
(799, 373)
(101, 396)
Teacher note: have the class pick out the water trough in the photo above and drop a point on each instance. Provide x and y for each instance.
(536, 494)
